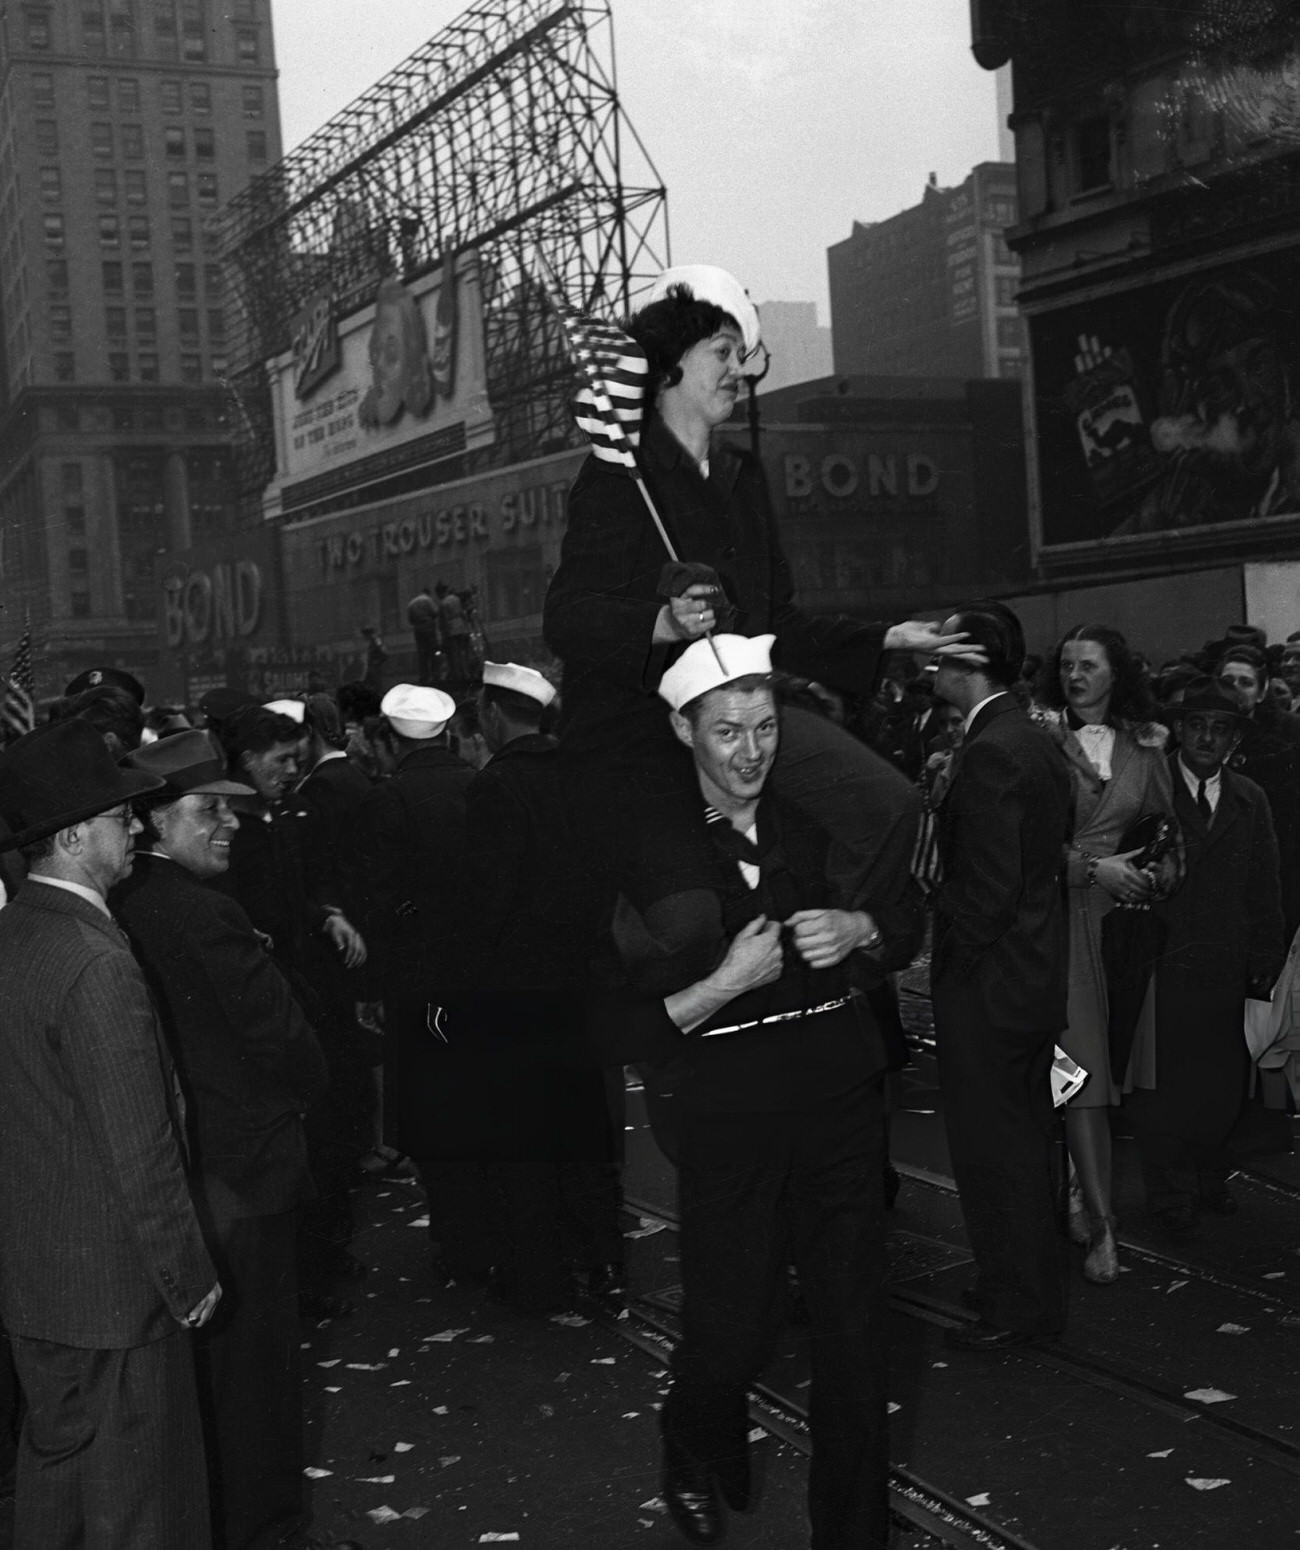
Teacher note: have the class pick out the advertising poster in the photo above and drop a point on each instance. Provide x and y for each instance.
(1172, 405)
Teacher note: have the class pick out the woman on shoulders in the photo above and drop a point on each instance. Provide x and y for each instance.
(1095, 701)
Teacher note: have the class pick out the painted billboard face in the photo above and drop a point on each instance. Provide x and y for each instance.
(399, 361)
(1181, 405)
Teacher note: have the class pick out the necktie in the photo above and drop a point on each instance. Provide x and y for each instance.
(1203, 804)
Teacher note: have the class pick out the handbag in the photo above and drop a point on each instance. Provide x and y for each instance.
(1133, 940)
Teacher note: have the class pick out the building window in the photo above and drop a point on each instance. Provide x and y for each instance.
(182, 234)
(122, 34)
(1005, 287)
(148, 361)
(47, 137)
(171, 96)
(132, 142)
(56, 276)
(247, 50)
(110, 231)
(205, 144)
(219, 365)
(80, 602)
(185, 281)
(105, 186)
(137, 227)
(142, 279)
(254, 103)
(174, 142)
(146, 325)
(243, 10)
(216, 325)
(115, 323)
(65, 366)
(74, 521)
(164, 31)
(77, 560)
(128, 95)
(210, 233)
(207, 189)
(72, 481)
(137, 192)
(256, 144)
(61, 325)
(200, 97)
(191, 368)
(52, 224)
(92, 32)
(97, 92)
(101, 141)
(112, 277)
(123, 417)
(38, 31)
(119, 366)
(214, 280)
(178, 188)
(1092, 152)
(187, 320)
(51, 185)
(43, 91)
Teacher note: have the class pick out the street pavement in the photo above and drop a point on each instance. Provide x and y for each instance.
(1165, 1420)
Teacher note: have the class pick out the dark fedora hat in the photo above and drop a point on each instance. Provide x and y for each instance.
(59, 775)
(185, 762)
(1207, 694)
(112, 677)
(221, 703)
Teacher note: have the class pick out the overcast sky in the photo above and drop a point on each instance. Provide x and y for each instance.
(774, 124)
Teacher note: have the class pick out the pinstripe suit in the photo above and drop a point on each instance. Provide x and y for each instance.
(100, 1251)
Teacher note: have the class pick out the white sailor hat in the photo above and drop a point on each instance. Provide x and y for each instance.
(523, 680)
(711, 663)
(294, 709)
(708, 283)
(417, 712)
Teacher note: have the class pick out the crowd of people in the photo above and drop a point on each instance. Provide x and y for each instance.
(253, 952)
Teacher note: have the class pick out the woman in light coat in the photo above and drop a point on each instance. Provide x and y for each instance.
(1095, 703)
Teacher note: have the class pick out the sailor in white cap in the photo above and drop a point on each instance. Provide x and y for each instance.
(740, 979)
(524, 1099)
(409, 839)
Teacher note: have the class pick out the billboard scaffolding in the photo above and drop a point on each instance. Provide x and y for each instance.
(502, 134)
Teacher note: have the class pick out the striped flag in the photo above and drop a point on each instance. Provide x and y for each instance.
(613, 368)
(18, 708)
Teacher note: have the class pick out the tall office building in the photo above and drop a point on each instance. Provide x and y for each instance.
(931, 291)
(125, 125)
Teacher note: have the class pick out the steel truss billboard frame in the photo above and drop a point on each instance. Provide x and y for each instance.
(502, 134)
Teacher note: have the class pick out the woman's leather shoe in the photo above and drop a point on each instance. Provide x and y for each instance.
(692, 1501)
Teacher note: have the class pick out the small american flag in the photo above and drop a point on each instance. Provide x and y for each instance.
(613, 368)
(18, 709)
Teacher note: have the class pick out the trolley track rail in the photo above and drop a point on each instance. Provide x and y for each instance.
(1242, 1438)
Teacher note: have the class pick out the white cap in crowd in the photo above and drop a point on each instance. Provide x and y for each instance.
(706, 282)
(294, 709)
(712, 662)
(523, 680)
(417, 712)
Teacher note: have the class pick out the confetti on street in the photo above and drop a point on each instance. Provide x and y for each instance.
(383, 1515)
(1200, 1483)
(1163, 1453)
(1233, 1329)
(980, 1499)
(313, 1473)
(1209, 1396)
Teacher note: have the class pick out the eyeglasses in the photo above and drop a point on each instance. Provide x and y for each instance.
(123, 816)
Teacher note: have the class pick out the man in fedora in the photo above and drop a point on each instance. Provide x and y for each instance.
(1224, 941)
(250, 1066)
(102, 1260)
